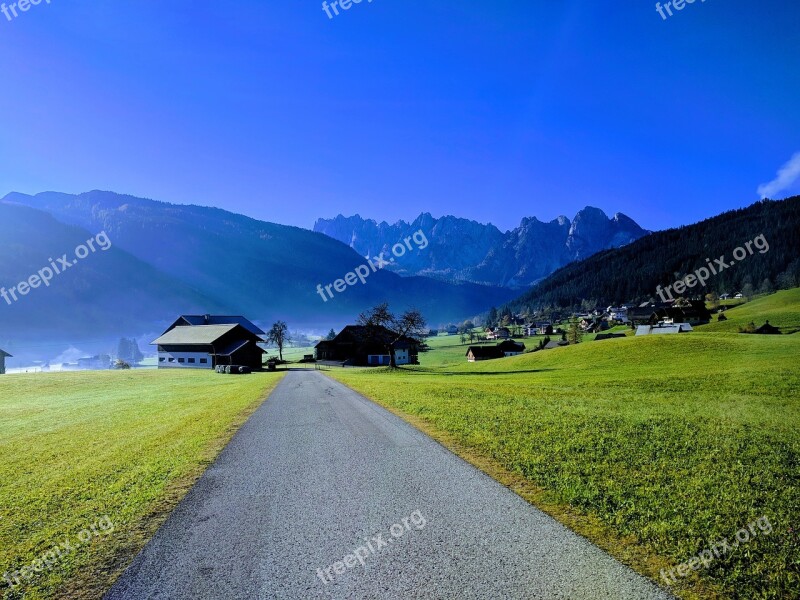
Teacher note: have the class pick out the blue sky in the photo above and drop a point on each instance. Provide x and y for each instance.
(487, 110)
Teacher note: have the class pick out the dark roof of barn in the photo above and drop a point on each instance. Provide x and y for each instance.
(553, 345)
(608, 336)
(218, 320)
(362, 333)
(767, 329)
(511, 346)
(485, 351)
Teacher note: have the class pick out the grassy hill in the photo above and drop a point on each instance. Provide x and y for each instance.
(781, 309)
(652, 447)
(76, 447)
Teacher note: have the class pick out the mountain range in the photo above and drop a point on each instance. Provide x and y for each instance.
(468, 251)
(168, 259)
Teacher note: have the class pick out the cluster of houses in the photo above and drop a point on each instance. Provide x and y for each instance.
(649, 318)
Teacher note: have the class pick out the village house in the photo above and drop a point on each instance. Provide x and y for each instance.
(98, 362)
(478, 353)
(694, 313)
(360, 345)
(541, 328)
(593, 324)
(619, 314)
(608, 336)
(501, 333)
(555, 344)
(767, 329)
(501, 350)
(206, 341)
(3, 356)
(511, 348)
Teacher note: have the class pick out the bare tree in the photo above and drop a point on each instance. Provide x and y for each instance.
(411, 324)
(279, 335)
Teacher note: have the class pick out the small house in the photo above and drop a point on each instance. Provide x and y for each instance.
(478, 353)
(608, 336)
(553, 345)
(767, 329)
(97, 362)
(511, 348)
(502, 333)
(3, 356)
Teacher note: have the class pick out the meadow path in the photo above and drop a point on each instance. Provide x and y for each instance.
(318, 473)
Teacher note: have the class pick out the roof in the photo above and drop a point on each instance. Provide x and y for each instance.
(360, 334)
(559, 344)
(485, 351)
(767, 329)
(194, 335)
(5, 354)
(511, 346)
(235, 346)
(608, 336)
(218, 320)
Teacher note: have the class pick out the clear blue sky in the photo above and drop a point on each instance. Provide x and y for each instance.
(487, 110)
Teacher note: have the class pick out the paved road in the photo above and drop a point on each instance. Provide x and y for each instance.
(319, 473)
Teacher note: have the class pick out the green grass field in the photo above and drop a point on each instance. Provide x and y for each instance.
(653, 447)
(75, 447)
(782, 309)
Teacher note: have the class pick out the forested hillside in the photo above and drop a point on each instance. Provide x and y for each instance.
(632, 273)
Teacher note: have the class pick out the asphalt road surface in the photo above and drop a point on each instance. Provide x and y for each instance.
(323, 494)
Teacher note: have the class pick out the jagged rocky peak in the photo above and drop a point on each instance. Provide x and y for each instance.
(465, 250)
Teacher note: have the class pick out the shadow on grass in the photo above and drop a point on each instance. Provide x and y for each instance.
(519, 372)
(406, 370)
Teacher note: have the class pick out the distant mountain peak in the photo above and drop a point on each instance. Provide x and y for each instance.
(465, 250)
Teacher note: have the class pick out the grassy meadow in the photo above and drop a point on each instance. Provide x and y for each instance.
(782, 309)
(76, 447)
(653, 447)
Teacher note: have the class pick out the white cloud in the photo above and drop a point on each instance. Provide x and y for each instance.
(787, 176)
